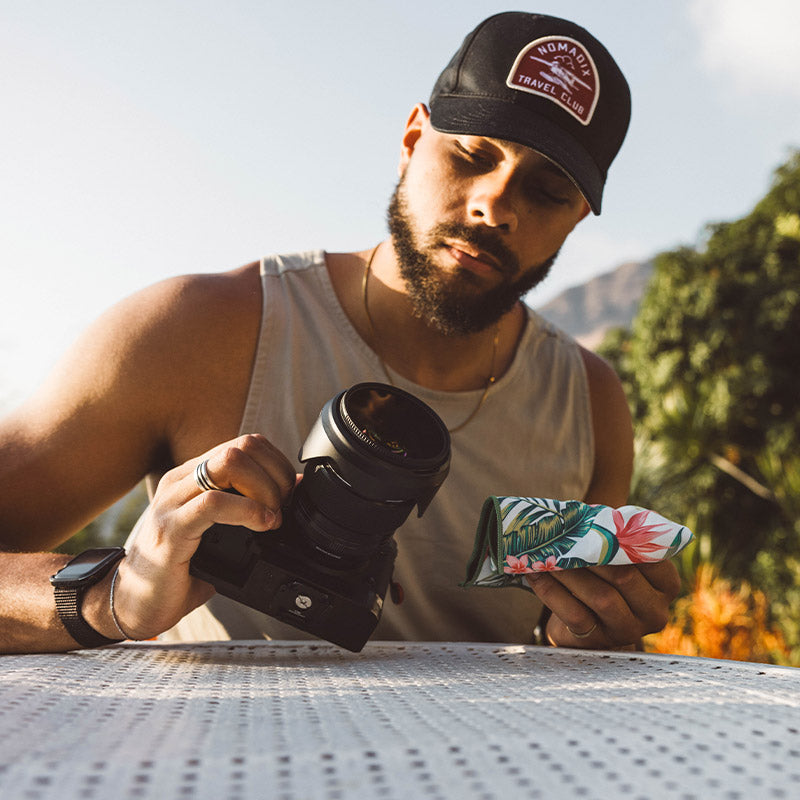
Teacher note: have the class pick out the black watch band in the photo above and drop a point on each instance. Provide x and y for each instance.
(70, 584)
(68, 604)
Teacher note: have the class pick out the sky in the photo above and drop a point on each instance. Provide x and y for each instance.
(150, 139)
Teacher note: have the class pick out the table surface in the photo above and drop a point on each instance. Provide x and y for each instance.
(283, 720)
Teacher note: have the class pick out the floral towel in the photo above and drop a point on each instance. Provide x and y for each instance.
(518, 535)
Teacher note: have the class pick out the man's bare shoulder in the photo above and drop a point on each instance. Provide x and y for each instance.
(613, 433)
(194, 337)
(185, 301)
(170, 331)
(600, 373)
(179, 325)
(159, 378)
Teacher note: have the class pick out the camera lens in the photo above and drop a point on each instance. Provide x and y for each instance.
(374, 453)
(398, 426)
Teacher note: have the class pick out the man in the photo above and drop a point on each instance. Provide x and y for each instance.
(229, 371)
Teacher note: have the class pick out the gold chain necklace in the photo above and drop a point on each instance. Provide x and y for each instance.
(489, 382)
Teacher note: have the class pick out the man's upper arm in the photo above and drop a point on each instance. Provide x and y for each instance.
(613, 434)
(93, 430)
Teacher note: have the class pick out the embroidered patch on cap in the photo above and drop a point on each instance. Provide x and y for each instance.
(560, 69)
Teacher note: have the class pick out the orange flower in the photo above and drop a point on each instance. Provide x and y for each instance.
(719, 621)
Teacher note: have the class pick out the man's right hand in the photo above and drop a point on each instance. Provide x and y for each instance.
(154, 589)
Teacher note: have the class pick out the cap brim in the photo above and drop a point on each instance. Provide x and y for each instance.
(501, 119)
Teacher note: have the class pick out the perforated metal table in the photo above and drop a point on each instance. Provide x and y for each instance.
(283, 721)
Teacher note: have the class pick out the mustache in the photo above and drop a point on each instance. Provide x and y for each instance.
(480, 238)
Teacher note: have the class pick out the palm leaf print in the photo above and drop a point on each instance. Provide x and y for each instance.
(540, 529)
(678, 543)
(610, 545)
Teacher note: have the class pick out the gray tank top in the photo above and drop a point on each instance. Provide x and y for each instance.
(533, 436)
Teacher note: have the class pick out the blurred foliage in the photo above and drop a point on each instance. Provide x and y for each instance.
(717, 620)
(112, 526)
(712, 371)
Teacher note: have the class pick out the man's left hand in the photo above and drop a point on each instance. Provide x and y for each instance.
(606, 607)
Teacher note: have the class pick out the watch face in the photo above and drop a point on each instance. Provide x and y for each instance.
(88, 564)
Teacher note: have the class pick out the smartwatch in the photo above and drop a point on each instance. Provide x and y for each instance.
(71, 582)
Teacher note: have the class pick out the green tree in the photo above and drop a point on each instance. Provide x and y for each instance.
(712, 368)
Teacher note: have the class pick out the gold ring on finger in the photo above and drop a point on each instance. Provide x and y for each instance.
(583, 635)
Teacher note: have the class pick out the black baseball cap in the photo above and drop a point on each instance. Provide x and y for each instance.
(543, 82)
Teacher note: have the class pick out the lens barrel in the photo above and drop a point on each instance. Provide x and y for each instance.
(374, 453)
(383, 442)
(337, 525)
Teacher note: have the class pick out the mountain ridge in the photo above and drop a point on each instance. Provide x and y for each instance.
(589, 310)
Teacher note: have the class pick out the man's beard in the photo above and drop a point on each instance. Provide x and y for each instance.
(451, 303)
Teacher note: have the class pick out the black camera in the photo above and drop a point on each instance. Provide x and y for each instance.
(373, 454)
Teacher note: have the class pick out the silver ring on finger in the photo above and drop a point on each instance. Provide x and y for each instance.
(583, 635)
(202, 479)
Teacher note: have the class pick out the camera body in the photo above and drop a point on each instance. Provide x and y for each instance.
(263, 571)
(373, 454)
